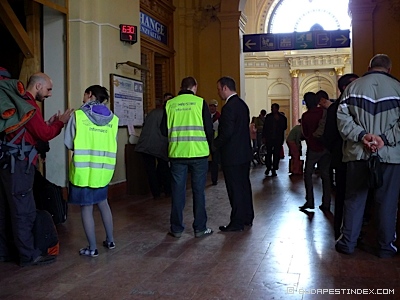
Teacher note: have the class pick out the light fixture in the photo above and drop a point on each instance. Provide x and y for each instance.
(133, 65)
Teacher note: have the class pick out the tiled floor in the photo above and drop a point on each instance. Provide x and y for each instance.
(287, 254)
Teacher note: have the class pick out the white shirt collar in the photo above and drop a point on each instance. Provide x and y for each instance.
(230, 97)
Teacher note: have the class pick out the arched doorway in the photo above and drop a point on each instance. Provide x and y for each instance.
(294, 67)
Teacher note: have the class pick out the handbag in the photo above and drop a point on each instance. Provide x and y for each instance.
(375, 176)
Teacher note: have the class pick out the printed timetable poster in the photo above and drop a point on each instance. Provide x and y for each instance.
(127, 100)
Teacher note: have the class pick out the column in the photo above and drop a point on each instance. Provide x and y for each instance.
(362, 33)
(232, 60)
(295, 96)
(339, 73)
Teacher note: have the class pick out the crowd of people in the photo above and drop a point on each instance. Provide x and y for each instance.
(341, 137)
(184, 132)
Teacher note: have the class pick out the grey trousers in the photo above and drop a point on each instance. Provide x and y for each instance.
(386, 199)
(324, 160)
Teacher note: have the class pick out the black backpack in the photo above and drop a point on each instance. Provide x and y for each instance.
(48, 196)
(45, 233)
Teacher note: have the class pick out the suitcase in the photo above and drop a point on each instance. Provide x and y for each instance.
(49, 197)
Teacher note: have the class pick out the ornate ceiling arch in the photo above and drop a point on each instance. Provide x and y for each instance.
(265, 14)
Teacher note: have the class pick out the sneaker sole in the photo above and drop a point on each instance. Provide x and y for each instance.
(108, 247)
(203, 234)
(88, 254)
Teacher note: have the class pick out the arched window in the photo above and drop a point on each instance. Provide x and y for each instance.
(308, 15)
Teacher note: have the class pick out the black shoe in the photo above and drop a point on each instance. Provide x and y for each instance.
(306, 206)
(5, 258)
(274, 173)
(386, 254)
(340, 250)
(248, 224)
(229, 228)
(40, 260)
(214, 182)
(266, 172)
(175, 234)
(323, 208)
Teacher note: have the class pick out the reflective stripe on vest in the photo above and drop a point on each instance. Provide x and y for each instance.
(95, 152)
(186, 135)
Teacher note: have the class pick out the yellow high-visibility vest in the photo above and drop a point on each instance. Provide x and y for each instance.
(95, 152)
(186, 135)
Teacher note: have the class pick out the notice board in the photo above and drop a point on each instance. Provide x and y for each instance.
(127, 100)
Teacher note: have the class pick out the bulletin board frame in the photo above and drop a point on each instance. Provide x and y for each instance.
(126, 100)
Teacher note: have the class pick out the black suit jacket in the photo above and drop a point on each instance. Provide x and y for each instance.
(233, 138)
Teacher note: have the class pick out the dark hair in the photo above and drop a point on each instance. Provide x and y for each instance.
(168, 95)
(345, 80)
(228, 82)
(188, 82)
(380, 61)
(310, 99)
(100, 92)
(275, 105)
(263, 112)
(322, 94)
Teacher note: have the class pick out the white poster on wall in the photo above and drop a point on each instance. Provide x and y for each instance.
(127, 100)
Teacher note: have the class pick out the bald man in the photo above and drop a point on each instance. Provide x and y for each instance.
(17, 174)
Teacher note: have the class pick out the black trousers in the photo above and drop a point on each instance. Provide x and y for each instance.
(273, 155)
(340, 179)
(237, 180)
(17, 203)
(159, 175)
(214, 166)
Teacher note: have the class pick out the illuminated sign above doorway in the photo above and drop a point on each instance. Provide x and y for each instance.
(153, 28)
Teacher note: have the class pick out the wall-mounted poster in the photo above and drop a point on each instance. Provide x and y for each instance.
(127, 100)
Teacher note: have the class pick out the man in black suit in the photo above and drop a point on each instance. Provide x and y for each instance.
(236, 154)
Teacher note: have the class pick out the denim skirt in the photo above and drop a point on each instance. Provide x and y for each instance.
(86, 195)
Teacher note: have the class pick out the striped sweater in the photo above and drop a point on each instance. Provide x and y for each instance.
(371, 104)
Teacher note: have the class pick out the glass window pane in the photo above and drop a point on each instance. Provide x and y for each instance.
(302, 15)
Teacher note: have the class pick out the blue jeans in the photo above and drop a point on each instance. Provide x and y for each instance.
(179, 170)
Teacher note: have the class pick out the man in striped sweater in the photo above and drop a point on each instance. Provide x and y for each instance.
(368, 121)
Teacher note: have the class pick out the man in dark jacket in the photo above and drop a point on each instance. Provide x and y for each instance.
(274, 128)
(334, 142)
(236, 153)
(154, 149)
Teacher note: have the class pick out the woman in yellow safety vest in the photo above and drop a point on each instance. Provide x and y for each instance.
(91, 134)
